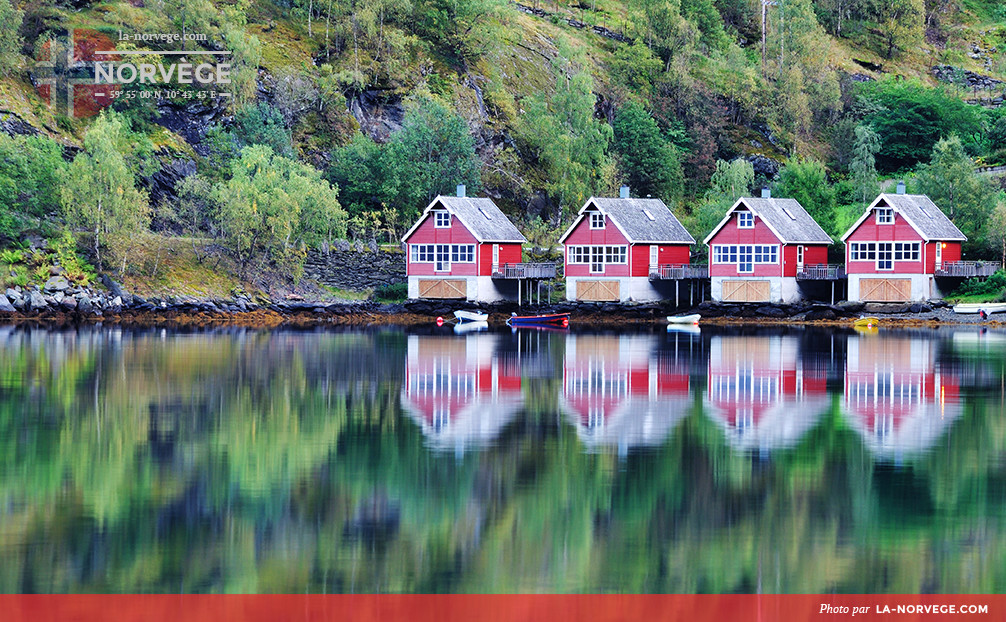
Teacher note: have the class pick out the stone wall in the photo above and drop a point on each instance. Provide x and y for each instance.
(355, 269)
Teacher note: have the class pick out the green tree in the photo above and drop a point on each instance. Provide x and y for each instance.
(10, 37)
(652, 166)
(564, 136)
(272, 206)
(911, 117)
(361, 172)
(432, 153)
(30, 169)
(730, 181)
(706, 17)
(807, 182)
(468, 27)
(863, 164)
(262, 124)
(949, 179)
(901, 23)
(636, 68)
(99, 191)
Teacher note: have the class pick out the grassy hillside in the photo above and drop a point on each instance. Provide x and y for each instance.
(540, 88)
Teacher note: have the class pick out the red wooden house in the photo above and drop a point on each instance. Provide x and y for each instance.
(893, 252)
(458, 249)
(760, 393)
(760, 246)
(895, 394)
(621, 391)
(459, 390)
(616, 249)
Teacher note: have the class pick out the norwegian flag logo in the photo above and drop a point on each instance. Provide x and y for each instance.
(64, 73)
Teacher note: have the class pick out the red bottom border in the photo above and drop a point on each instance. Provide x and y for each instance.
(491, 608)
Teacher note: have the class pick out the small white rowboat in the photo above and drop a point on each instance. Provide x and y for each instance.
(684, 319)
(471, 316)
(975, 307)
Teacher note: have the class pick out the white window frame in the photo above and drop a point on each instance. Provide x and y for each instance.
(442, 258)
(745, 256)
(441, 219)
(597, 256)
(596, 220)
(884, 216)
(745, 220)
(885, 256)
(422, 253)
(462, 253)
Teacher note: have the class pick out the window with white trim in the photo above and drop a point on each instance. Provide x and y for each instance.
(744, 256)
(442, 253)
(596, 220)
(596, 256)
(745, 220)
(885, 216)
(884, 252)
(441, 219)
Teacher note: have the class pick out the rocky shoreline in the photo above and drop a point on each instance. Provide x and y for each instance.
(59, 302)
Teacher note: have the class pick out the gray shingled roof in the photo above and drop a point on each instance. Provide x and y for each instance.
(486, 222)
(921, 212)
(630, 217)
(788, 219)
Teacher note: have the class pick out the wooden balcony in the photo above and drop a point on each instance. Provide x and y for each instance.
(967, 269)
(525, 271)
(822, 272)
(675, 272)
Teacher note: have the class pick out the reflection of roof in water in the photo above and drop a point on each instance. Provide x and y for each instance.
(781, 424)
(475, 425)
(634, 422)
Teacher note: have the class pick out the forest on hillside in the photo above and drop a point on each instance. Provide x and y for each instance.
(349, 116)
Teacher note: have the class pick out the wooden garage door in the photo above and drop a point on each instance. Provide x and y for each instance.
(443, 288)
(885, 290)
(597, 290)
(746, 291)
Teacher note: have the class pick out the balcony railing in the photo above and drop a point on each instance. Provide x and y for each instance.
(967, 269)
(679, 271)
(822, 272)
(525, 271)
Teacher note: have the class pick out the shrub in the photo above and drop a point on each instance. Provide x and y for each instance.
(392, 293)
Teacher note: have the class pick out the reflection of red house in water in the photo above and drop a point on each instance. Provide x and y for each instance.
(459, 390)
(896, 396)
(760, 393)
(619, 391)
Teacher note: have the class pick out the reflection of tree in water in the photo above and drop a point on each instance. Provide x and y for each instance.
(133, 463)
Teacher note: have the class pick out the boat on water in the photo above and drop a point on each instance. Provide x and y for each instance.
(471, 316)
(464, 328)
(976, 307)
(547, 319)
(684, 319)
(866, 322)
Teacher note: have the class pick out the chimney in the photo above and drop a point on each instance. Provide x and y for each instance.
(623, 192)
(766, 192)
(901, 187)
(461, 191)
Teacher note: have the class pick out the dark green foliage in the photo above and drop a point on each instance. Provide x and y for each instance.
(651, 165)
(262, 124)
(911, 118)
(807, 182)
(392, 293)
(707, 19)
(994, 285)
(29, 181)
(361, 172)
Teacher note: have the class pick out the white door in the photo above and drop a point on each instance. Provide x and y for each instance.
(496, 258)
(654, 254)
(939, 255)
(799, 258)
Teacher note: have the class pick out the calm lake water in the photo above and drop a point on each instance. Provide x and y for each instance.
(751, 460)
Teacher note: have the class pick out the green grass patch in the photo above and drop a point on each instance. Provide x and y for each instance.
(398, 292)
(347, 294)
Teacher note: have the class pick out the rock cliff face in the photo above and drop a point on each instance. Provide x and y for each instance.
(12, 125)
(355, 270)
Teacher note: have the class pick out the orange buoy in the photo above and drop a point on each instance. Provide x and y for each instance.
(440, 321)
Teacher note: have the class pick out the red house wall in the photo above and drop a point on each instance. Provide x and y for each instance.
(667, 254)
(427, 233)
(952, 252)
(813, 254)
(900, 231)
(583, 234)
(509, 253)
(732, 234)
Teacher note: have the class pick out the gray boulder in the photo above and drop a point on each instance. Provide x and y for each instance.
(36, 301)
(56, 284)
(69, 303)
(5, 305)
(12, 294)
(84, 304)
